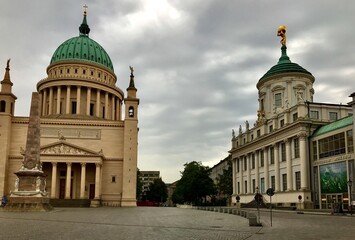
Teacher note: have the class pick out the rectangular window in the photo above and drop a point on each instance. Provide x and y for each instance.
(284, 182)
(258, 133)
(270, 128)
(295, 117)
(238, 188)
(253, 161)
(278, 100)
(272, 155)
(333, 116)
(314, 114)
(262, 185)
(92, 109)
(245, 163)
(252, 137)
(332, 145)
(273, 182)
(262, 158)
(113, 179)
(350, 140)
(296, 147)
(238, 162)
(73, 107)
(282, 122)
(245, 186)
(103, 112)
(253, 185)
(283, 152)
(298, 180)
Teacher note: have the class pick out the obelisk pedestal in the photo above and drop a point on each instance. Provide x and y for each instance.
(30, 184)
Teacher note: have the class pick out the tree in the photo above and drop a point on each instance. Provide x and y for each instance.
(195, 184)
(225, 180)
(139, 185)
(157, 191)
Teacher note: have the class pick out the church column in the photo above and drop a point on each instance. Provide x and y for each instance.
(98, 103)
(303, 160)
(106, 106)
(44, 102)
(248, 190)
(233, 176)
(113, 107)
(97, 180)
(289, 165)
(54, 179)
(67, 105)
(277, 167)
(241, 180)
(82, 180)
(58, 99)
(266, 169)
(257, 174)
(50, 101)
(88, 100)
(68, 181)
(78, 98)
(118, 110)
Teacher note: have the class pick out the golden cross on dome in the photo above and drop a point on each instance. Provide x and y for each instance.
(85, 7)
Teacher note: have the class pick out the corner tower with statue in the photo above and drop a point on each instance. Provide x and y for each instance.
(88, 149)
(275, 153)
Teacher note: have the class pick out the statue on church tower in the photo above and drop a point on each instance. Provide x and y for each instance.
(281, 31)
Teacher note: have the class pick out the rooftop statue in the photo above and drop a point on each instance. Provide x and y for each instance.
(281, 31)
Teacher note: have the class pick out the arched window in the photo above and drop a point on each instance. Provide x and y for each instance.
(131, 111)
(2, 106)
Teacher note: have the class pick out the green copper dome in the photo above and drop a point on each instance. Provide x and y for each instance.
(284, 66)
(82, 48)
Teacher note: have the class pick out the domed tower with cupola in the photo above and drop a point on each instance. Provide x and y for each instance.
(284, 86)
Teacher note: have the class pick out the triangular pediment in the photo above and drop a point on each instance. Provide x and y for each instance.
(64, 148)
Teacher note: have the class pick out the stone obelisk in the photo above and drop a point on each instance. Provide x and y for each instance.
(30, 184)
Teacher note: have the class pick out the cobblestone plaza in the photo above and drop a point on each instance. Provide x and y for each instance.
(168, 223)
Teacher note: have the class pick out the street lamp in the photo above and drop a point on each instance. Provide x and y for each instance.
(350, 184)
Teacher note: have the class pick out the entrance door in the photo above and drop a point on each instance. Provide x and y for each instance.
(61, 188)
(334, 199)
(92, 191)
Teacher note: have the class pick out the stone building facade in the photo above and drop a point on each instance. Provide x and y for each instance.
(274, 152)
(88, 149)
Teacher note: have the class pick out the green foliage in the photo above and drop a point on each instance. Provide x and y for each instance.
(157, 191)
(225, 180)
(139, 185)
(194, 185)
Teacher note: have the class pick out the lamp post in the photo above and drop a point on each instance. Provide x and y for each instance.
(350, 184)
(257, 200)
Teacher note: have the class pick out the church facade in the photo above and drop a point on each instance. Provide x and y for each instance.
(276, 151)
(88, 148)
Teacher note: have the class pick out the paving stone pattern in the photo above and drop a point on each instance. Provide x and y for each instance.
(169, 223)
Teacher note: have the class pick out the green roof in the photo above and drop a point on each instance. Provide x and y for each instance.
(284, 65)
(82, 48)
(344, 122)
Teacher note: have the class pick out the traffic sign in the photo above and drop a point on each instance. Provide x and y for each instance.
(270, 192)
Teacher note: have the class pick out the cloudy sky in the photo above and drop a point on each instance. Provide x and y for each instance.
(196, 62)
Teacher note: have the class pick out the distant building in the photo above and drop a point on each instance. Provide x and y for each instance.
(217, 169)
(275, 151)
(147, 178)
(171, 188)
